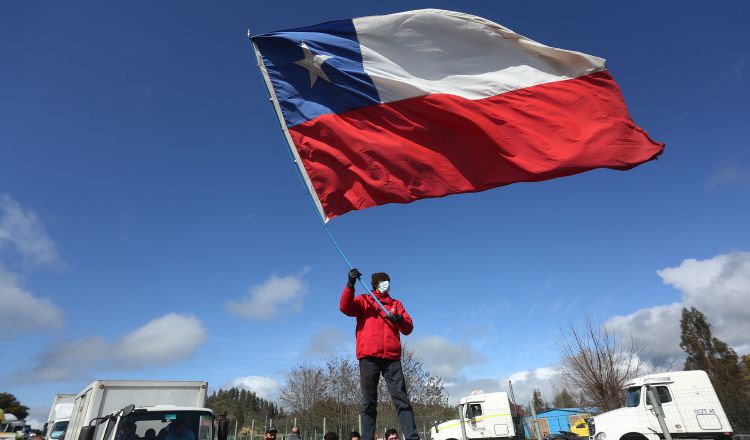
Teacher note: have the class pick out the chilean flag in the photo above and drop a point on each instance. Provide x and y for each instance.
(426, 103)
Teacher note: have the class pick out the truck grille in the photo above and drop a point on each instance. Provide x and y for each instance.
(592, 427)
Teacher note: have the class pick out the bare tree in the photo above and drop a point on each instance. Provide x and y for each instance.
(333, 391)
(303, 391)
(426, 393)
(342, 394)
(597, 362)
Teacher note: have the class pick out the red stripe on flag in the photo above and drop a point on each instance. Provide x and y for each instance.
(437, 145)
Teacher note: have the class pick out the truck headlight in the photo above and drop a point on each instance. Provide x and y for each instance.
(600, 436)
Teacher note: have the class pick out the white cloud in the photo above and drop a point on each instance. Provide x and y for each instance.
(162, 340)
(719, 287)
(25, 232)
(37, 416)
(263, 386)
(329, 341)
(519, 376)
(731, 172)
(165, 340)
(445, 358)
(22, 311)
(657, 328)
(524, 383)
(266, 300)
(22, 232)
(66, 360)
(545, 373)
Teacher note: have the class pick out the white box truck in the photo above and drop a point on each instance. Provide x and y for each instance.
(480, 416)
(141, 410)
(59, 416)
(689, 402)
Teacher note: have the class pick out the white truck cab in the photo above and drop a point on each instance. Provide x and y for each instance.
(691, 410)
(481, 416)
(160, 422)
(59, 416)
(140, 410)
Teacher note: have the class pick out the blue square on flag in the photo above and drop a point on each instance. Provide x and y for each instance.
(316, 70)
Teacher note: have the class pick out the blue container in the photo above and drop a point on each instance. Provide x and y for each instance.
(558, 419)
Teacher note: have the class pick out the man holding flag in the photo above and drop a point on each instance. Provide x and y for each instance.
(379, 350)
(427, 103)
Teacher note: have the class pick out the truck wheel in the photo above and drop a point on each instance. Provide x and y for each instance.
(633, 436)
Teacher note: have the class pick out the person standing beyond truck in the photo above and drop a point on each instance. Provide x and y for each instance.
(223, 426)
(379, 350)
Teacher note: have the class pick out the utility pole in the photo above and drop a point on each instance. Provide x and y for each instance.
(536, 422)
(659, 412)
(517, 426)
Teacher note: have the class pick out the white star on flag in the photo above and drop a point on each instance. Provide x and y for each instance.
(313, 63)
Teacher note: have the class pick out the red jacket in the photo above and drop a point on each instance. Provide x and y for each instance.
(376, 336)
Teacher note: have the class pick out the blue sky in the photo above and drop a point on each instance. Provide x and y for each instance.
(145, 185)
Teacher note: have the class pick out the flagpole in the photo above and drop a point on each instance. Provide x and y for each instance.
(304, 178)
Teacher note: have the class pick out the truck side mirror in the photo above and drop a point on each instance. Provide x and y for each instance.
(87, 433)
(127, 410)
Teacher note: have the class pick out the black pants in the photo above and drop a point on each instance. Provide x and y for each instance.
(370, 370)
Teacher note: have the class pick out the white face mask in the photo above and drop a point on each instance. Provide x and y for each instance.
(384, 286)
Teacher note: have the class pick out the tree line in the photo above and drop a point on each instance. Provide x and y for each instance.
(243, 406)
(331, 392)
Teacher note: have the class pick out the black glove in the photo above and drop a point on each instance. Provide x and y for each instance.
(354, 274)
(395, 318)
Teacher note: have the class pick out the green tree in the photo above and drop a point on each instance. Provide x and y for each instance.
(9, 404)
(538, 402)
(721, 363)
(563, 399)
(243, 406)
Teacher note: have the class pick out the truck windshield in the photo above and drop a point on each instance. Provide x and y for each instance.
(164, 425)
(58, 429)
(633, 397)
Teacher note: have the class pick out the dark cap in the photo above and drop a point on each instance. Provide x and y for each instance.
(377, 277)
(270, 430)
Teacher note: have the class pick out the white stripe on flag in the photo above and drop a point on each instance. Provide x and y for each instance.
(416, 53)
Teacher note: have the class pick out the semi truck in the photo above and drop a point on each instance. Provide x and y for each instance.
(480, 416)
(141, 410)
(691, 410)
(59, 416)
(10, 427)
